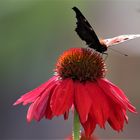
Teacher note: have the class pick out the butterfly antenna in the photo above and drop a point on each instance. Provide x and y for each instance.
(118, 52)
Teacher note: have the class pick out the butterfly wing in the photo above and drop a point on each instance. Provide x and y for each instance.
(119, 39)
(85, 31)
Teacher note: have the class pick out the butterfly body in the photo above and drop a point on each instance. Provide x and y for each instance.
(101, 48)
(86, 33)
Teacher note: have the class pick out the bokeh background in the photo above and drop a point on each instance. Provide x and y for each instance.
(33, 33)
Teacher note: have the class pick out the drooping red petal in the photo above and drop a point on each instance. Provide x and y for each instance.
(48, 112)
(37, 109)
(125, 116)
(82, 101)
(116, 119)
(62, 98)
(130, 107)
(89, 125)
(32, 95)
(111, 92)
(120, 92)
(43, 102)
(118, 104)
(100, 106)
(66, 115)
(31, 110)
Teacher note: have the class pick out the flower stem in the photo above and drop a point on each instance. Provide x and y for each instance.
(76, 126)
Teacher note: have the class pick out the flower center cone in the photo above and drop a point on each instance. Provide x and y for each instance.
(80, 64)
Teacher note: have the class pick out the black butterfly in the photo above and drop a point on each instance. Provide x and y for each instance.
(86, 33)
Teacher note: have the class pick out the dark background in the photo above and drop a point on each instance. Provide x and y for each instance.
(33, 33)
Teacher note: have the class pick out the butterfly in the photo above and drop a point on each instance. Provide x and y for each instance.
(86, 33)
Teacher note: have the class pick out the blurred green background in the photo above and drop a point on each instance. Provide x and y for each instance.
(33, 33)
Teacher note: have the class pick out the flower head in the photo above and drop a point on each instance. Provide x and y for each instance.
(79, 81)
(80, 64)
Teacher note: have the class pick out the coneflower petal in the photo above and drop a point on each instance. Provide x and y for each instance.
(62, 98)
(82, 101)
(89, 125)
(111, 92)
(32, 95)
(100, 106)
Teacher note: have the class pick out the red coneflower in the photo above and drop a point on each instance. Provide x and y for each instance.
(79, 81)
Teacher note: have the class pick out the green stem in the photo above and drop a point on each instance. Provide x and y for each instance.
(76, 126)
